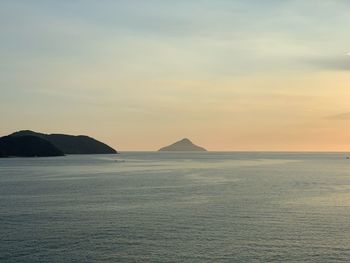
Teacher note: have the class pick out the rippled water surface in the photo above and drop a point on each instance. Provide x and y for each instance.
(176, 207)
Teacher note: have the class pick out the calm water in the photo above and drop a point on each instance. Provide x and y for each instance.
(176, 207)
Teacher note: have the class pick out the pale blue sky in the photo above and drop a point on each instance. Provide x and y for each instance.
(138, 74)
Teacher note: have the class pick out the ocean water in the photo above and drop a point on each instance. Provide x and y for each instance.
(176, 207)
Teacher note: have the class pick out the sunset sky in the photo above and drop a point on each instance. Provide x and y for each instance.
(139, 75)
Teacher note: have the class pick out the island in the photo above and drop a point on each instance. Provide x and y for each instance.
(71, 144)
(183, 145)
(27, 146)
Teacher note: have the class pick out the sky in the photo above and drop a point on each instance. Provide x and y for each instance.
(231, 75)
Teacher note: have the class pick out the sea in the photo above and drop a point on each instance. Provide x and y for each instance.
(176, 207)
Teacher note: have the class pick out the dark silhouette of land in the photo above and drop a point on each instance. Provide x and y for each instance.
(70, 144)
(27, 146)
(183, 145)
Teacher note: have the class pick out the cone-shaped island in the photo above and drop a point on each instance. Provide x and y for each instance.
(183, 145)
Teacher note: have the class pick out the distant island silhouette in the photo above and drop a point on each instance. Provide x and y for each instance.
(183, 145)
(27, 146)
(28, 143)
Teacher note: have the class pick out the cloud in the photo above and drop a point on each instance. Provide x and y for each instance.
(340, 63)
(340, 116)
